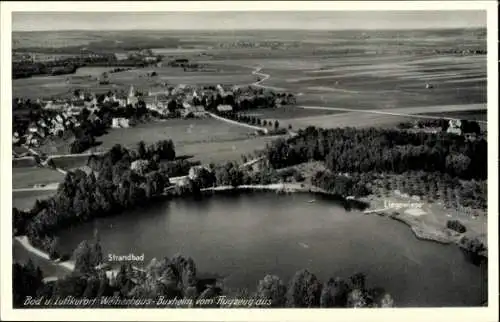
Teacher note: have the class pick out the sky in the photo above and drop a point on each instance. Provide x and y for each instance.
(244, 20)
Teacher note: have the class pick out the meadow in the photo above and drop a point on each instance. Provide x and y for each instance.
(180, 131)
(27, 177)
(70, 162)
(26, 199)
(285, 112)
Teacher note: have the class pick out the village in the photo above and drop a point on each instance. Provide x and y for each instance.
(59, 115)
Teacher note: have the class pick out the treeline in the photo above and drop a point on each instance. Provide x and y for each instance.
(70, 65)
(383, 150)
(438, 167)
(177, 278)
(452, 192)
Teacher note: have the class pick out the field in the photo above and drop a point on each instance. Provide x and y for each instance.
(64, 85)
(286, 112)
(27, 177)
(382, 118)
(181, 131)
(206, 139)
(463, 115)
(70, 162)
(412, 72)
(26, 199)
(219, 152)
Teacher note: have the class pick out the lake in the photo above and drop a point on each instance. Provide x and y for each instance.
(245, 237)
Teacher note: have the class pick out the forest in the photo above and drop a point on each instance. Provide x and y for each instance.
(178, 278)
(440, 165)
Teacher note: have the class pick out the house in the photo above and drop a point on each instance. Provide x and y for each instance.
(54, 106)
(196, 111)
(33, 128)
(121, 99)
(454, 127)
(224, 108)
(150, 102)
(120, 122)
(140, 166)
(194, 172)
(33, 139)
(121, 56)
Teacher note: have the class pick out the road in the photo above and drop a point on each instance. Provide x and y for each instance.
(264, 78)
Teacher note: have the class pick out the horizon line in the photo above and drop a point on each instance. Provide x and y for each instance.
(261, 29)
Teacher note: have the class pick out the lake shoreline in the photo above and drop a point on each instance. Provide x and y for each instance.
(425, 231)
(421, 232)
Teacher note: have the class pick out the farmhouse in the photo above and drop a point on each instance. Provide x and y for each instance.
(120, 122)
(455, 127)
(121, 56)
(55, 106)
(224, 108)
(196, 111)
(194, 172)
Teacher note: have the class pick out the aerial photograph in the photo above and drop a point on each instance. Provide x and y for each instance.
(249, 159)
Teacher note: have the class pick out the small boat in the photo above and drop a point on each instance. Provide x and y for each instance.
(312, 200)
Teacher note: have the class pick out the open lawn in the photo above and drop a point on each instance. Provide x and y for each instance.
(70, 162)
(181, 131)
(474, 115)
(382, 117)
(219, 152)
(27, 177)
(27, 199)
(286, 112)
(206, 139)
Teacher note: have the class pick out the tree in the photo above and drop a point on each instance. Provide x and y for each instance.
(26, 280)
(276, 124)
(387, 301)
(304, 290)
(356, 299)
(83, 258)
(334, 293)
(272, 288)
(457, 164)
(141, 150)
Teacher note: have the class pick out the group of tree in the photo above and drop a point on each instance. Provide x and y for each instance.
(452, 192)
(176, 278)
(441, 165)
(383, 150)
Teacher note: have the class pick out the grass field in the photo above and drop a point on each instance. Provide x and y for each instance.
(383, 118)
(206, 140)
(181, 131)
(286, 112)
(463, 115)
(218, 152)
(70, 162)
(63, 85)
(26, 199)
(27, 177)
